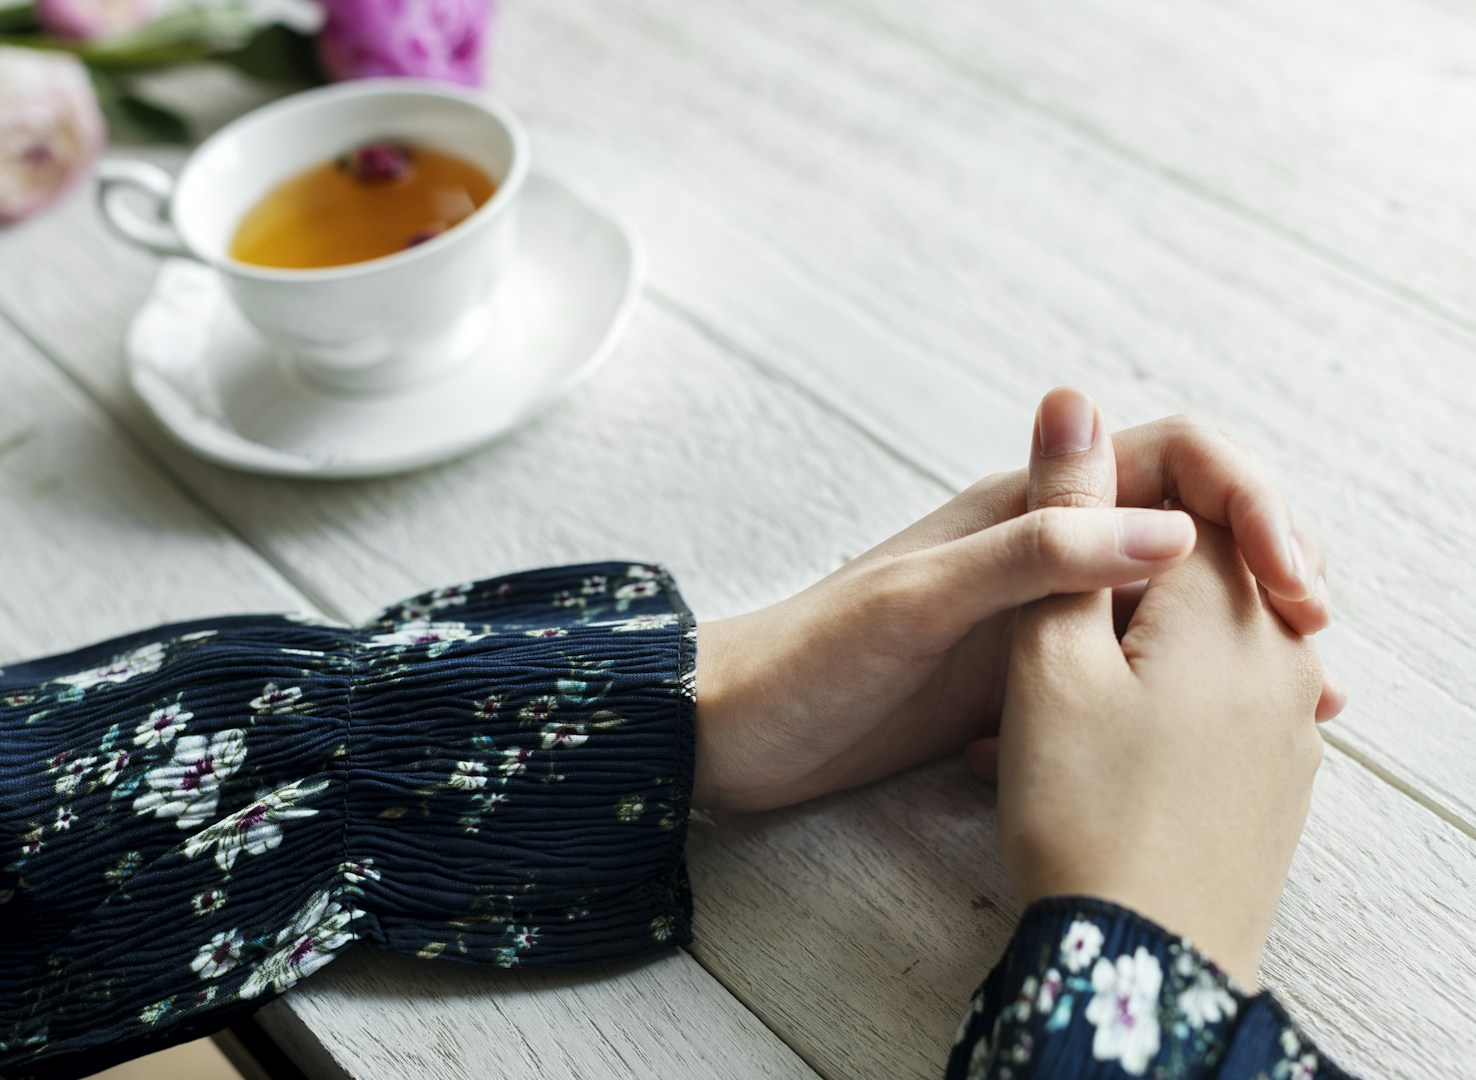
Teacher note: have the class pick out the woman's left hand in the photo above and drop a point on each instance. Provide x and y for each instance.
(900, 655)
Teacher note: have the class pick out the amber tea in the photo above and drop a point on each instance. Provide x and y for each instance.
(371, 202)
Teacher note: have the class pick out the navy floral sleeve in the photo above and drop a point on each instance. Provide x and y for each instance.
(1089, 989)
(197, 817)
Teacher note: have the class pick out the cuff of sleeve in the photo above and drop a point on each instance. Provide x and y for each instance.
(1085, 979)
(519, 768)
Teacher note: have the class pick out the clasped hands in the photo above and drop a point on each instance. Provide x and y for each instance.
(1117, 635)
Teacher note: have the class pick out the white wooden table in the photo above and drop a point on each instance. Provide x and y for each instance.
(878, 231)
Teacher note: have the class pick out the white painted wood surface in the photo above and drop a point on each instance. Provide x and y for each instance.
(872, 248)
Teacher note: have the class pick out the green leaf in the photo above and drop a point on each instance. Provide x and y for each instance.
(192, 34)
(135, 118)
(276, 54)
(152, 121)
(17, 17)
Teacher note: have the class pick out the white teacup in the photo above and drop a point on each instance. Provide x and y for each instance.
(371, 325)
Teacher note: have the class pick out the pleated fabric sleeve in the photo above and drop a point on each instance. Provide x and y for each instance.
(197, 817)
(1090, 990)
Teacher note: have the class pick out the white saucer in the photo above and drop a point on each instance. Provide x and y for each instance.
(223, 392)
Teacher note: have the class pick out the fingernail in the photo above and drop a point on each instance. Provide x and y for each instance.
(1298, 562)
(1152, 535)
(1323, 596)
(1068, 422)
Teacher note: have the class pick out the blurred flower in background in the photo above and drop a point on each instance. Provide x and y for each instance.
(91, 20)
(431, 39)
(50, 128)
(65, 64)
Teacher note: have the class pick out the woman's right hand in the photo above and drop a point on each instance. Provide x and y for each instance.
(1169, 771)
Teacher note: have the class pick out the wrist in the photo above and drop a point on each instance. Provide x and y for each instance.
(716, 784)
(1231, 938)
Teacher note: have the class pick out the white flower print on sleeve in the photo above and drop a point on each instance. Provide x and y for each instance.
(109, 771)
(218, 955)
(209, 901)
(1296, 1065)
(538, 710)
(1050, 991)
(144, 660)
(640, 622)
(570, 735)
(319, 928)
(635, 590)
(161, 726)
(257, 828)
(73, 772)
(275, 699)
(514, 761)
(469, 775)
(437, 635)
(1124, 1010)
(187, 786)
(1205, 1001)
(1081, 945)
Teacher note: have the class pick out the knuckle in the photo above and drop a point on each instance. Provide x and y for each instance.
(1199, 438)
(1186, 426)
(1046, 535)
(891, 584)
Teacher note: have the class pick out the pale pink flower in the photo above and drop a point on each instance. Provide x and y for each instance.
(51, 130)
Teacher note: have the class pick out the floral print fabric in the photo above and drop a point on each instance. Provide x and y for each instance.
(196, 818)
(1089, 989)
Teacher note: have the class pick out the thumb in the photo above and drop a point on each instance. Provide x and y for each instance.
(1071, 465)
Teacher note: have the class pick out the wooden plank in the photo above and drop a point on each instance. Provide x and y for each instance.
(450, 1021)
(99, 542)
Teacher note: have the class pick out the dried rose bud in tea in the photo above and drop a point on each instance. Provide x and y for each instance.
(376, 163)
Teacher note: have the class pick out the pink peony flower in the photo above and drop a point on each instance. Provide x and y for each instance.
(428, 39)
(92, 20)
(51, 130)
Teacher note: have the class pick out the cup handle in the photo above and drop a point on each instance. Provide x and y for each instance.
(115, 177)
